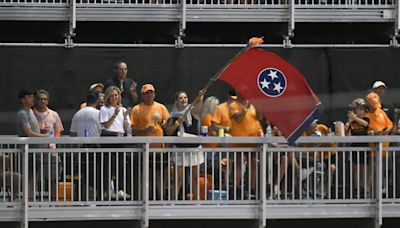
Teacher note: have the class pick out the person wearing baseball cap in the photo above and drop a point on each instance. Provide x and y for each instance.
(148, 118)
(379, 87)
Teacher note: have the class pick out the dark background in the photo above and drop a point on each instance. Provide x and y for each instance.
(336, 75)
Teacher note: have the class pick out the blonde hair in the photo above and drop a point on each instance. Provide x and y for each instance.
(209, 106)
(107, 95)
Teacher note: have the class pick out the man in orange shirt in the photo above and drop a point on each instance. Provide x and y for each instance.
(221, 118)
(379, 124)
(148, 119)
(245, 122)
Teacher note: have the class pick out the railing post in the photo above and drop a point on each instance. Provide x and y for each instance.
(378, 187)
(25, 187)
(263, 186)
(145, 186)
(394, 41)
(69, 43)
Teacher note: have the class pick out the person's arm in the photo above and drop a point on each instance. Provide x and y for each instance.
(133, 92)
(109, 122)
(28, 131)
(237, 114)
(172, 125)
(197, 106)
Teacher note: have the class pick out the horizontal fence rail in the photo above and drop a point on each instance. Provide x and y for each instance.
(176, 177)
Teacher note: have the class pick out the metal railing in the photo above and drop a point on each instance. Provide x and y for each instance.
(171, 174)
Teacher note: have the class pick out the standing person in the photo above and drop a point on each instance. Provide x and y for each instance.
(186, 124)
(85, 122)
(126, 85)
(245, 122)
(357, 124)
(148, 119)
(49, 123)
(379, 124)
(27, 126)
(114, 122)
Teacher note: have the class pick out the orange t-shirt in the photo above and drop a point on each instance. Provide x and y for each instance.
(249, 125)
(379, 121)
(142, 117)
(221, 115)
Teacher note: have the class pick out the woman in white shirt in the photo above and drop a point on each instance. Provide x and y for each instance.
(113, 117)
(114, 121)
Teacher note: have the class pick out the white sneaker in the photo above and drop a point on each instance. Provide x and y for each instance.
(123, 195)
(305, 173)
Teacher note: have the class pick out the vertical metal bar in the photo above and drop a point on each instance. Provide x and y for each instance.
(145, 190)
(102, 176)
(56, 187)
(308, 176)
(358, 174)
(351, 174)
(72, 177)
(34, 177)
(124, 174)
(169, 176)
(41, 176)
(249, 173)
(291, 26)
(378, 187)
(219, 174)
(25, 186)
(64, 176)
(162, 176)
(205, 175)
(386, 179)
(394, 174)
(337, 176)
(132, 176)
(79, 176)
(234, 176)
(4, 176)
(117, 177)
(300, 175)
(263, 186)
(49, 180)
(344, 174)
(154, 176)
(88, 177)
(241, 175)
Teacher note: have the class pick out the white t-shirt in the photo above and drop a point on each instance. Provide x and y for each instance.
(85, 123)
(118, 123)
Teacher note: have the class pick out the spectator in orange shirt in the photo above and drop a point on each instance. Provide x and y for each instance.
(148, 119)
(49, 123)
(221, 118)
(379, 124)
(245, 122)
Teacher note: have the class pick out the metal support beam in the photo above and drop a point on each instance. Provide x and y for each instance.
(25, 188)
(145, 186)
(182, 26)
(291, 25)
(378, 188)
(394, 42)
(69, 43)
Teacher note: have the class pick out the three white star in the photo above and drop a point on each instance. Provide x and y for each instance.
(278, 87)
(273, 75)
(265, 84)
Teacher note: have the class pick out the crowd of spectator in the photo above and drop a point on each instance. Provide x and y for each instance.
(111, 109)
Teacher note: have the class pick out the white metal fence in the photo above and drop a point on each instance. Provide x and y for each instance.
(204, 172)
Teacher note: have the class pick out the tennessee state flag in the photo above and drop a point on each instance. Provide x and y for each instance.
(276, 88)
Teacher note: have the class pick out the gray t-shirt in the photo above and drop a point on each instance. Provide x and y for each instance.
(26, 118)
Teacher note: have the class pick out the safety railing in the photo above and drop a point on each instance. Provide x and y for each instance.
(143, 173)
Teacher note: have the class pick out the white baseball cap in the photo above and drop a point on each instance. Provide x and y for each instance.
(378, 84)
